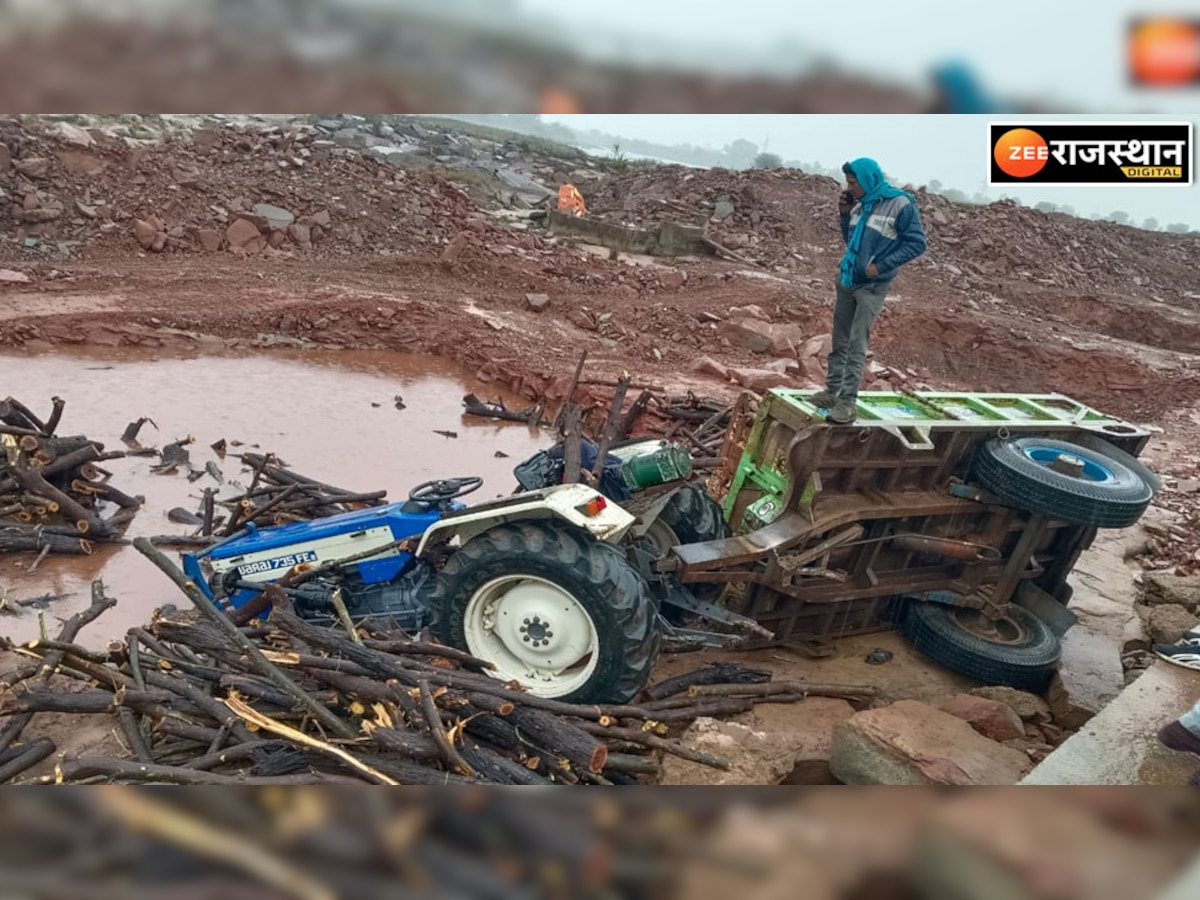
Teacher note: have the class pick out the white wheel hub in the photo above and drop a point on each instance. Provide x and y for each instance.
(534, 632)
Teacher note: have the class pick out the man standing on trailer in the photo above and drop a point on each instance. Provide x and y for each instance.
(882, 229)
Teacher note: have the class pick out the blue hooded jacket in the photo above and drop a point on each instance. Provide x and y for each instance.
(884, 228)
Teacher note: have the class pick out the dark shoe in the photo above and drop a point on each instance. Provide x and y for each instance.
(1185, 652)
(1174, 736)
(823, 399)
(843, 413)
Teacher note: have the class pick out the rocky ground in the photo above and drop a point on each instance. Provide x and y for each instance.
(198, 233)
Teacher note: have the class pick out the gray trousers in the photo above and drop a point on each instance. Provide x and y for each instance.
(853, 316)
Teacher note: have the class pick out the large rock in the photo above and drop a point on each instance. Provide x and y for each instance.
(301, 234)
(244, 237)
(277, 217)
(818, 347)
(762, 337)
(33, 166)
(751, 334)
(12, 277)
(1166, 624)
(778, 742)
(1183, 590)
(709, 366)
(761, 380)
(991, 718)
(5, 158)
(73, 134)
(911, 743)
(209, 238)
(144, 232)
(753, 756)
(1029, 707)
(42, 214)
(672, 279)
(804, 731)
(454, 249)
(206, 138)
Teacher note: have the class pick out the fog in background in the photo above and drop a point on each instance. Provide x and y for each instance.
(949, 154)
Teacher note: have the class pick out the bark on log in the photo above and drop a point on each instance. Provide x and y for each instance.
(433, 719)
(239, 517)
(152, 703)
(32, 481)
(72, 627)
(654, 742)
(572, 449)
(31, 754)
(814, 689)
(633, 764)
(418, 745)
(561, 737)
(75, 459)
(559, 420)
(91, 766)
(715, 673)
(132, 729)
(321, 713)
(18, 415)
(476, 407)
(206, 523)
(496, 767)
(610, 426)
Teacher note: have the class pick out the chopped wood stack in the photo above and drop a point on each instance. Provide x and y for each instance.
(54, 495)
(276, 495)
(282, 701)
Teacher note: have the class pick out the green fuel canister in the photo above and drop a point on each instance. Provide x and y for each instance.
(672, 463)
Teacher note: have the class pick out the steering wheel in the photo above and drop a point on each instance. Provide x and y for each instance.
(444, 490)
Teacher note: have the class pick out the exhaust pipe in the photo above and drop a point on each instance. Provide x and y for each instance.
(919, 543)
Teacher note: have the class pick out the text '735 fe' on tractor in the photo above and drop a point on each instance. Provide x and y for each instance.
(955, 517)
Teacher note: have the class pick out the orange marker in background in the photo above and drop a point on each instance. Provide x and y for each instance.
(1164, 52)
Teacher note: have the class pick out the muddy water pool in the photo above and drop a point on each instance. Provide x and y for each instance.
(330, 415)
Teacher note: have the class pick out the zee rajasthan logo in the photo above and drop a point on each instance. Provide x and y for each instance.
(1081, 153)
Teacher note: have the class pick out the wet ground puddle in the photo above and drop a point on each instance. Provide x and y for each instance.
(332, 416)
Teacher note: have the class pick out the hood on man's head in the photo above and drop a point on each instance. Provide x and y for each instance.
(866, 171)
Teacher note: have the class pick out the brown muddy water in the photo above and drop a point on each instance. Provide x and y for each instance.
(329, 415)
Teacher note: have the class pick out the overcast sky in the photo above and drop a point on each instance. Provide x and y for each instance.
(1070, 55)
(916, 149)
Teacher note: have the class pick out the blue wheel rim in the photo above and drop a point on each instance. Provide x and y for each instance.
(1092, 470)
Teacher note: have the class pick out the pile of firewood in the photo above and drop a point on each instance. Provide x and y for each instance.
(276, 495)
(202, 700)
(52, 488)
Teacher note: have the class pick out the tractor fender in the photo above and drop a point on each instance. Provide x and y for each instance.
(565, 502)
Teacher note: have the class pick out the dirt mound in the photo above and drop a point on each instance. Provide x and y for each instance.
(765, 215)
(785, 218)
(100, 192)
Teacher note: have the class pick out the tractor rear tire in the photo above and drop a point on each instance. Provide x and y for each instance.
(691, 516)
(1107, 494)
(551, 607)
(1023, 652)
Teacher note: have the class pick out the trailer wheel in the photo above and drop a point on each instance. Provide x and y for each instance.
(1018, 650)
(1063, 481)
(565, 615)
(690, 517)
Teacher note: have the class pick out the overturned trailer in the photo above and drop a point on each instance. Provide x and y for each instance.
(954, 516)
